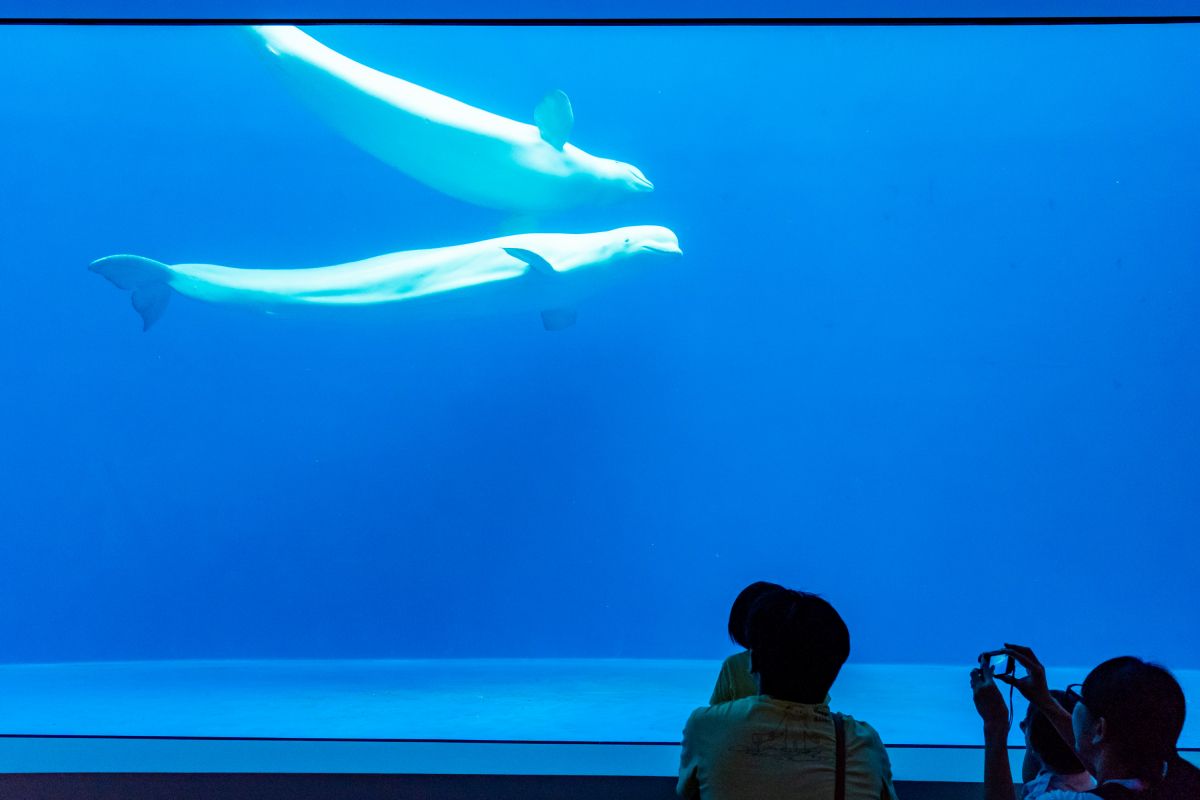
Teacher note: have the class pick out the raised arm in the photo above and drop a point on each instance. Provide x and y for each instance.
(997, 775)
(1036, 690)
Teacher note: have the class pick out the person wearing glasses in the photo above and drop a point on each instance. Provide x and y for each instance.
(1124, 727)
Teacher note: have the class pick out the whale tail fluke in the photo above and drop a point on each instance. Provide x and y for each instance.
(145, 277)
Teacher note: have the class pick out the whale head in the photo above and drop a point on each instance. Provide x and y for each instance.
(570, 266)
(553, 254)
(636, 239)
(617, 179)
(631, 177)
(622, 244)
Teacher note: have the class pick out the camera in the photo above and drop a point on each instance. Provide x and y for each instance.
(998, 663)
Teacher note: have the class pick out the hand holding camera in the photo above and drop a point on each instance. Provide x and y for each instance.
(997, 662)
(988, 700)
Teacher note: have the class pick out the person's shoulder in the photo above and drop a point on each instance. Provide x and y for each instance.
(1182, 772)
(734, 669)
(722, 712)
(1037, 786)
(730, 708)
(739, 660)
(860, 729)
(1048, 781)
(1066, 794)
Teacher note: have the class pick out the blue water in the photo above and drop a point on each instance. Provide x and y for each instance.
(931, 351)
(527, 700)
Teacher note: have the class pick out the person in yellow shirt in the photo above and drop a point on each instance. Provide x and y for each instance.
(784, 742)
(735, 681)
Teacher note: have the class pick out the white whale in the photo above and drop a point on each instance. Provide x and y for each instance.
(547, 272)
(460, 150)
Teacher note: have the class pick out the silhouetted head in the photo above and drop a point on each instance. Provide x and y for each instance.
(798, 643)
(1131, 713)
(739, 613)
(1044, 741)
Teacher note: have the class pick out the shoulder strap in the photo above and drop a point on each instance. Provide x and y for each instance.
(839, 731)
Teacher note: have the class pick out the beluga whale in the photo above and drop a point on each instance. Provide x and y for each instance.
(460, 150)
(545, 272)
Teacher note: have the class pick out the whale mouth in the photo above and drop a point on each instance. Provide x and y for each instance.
(670, 248)
(637, 181)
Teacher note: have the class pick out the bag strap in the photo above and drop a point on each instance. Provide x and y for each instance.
(839, 731)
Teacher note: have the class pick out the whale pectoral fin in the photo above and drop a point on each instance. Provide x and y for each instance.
(536, 263)
(554, 118)
(557, 319)
(150, 301)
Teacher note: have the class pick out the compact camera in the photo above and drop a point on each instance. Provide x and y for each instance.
(998, 663)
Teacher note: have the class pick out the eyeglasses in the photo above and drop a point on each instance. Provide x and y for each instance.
(1075, 693)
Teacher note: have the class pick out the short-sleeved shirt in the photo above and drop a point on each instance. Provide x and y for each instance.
(759, 747)
(734, 681)
(1182, 782)
(1046, 781)
(1066, 794)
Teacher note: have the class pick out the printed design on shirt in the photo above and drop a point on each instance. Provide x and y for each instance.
(794, 741)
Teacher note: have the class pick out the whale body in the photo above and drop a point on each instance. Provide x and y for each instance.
(455, 148)
(547, 272)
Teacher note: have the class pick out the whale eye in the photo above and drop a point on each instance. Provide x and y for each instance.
(626, 240)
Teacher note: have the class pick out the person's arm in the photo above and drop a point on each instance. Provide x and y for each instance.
(1036, 690)
(688, 785)
(997, 775)
(888, 789)
(723, 691)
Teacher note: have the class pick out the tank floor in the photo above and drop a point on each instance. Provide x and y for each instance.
(540, 700)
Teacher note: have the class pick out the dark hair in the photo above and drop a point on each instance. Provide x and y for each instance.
(739, 614)
(1048, 743)
(798, 643)
(1143, 708)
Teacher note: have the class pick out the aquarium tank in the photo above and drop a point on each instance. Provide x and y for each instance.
(450, 381)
